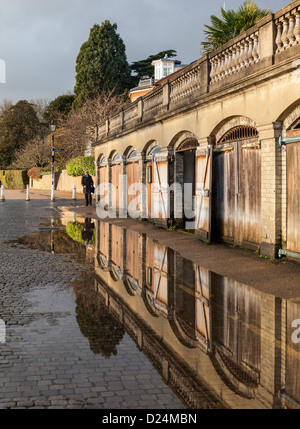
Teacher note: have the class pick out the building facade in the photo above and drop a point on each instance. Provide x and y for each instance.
(229, 126)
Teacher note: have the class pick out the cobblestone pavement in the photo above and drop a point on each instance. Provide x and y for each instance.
(45, 361)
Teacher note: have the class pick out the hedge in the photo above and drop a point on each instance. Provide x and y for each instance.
(14, 179)
(74, 230)
(77, 166)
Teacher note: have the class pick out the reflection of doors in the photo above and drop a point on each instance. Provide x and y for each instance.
(102, 240)
(292, 382)
(157, 274)
(184, 303)
(115, 181)
(237, 190)
(160, 188)
(203, 312)
(293, 196)
(132, 255)
(116, 245)
(236, 324)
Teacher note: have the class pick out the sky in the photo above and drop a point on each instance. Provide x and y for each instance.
(40, 39)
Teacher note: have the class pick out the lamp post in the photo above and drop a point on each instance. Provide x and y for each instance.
(52, 128)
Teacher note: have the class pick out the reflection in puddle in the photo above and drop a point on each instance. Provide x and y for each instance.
(216, 342)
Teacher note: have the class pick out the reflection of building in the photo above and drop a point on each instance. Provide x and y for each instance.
(216, 342)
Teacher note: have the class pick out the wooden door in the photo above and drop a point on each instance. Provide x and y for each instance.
(249, 194)
(103, 180)
(293, 196)
(160, 189)
(149, 182)
(224, 192)
(203, 174)
(237, 192)
(132, 172)
(115, 181)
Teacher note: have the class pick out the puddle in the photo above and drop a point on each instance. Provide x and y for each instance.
(214, 342)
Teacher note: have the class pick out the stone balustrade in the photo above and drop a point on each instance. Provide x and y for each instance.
(185, 84)
(235, 58)
(114, 123)
(101, 132)
(251, 53)
(153, 102)
(288, 29)
(130, 115)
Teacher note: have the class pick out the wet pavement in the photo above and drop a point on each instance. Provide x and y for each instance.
(132, 320)
(47, 360)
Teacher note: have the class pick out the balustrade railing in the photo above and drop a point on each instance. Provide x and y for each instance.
(114, 123)
(185, 84)
(258, 45)
(153, 102)
(235, 58)
(130, 115)
(101, 131)
(288, 30)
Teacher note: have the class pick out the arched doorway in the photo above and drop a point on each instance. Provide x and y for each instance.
(102, 177)
(186, 156)
(291, 141)
(115, 179)
(237, 187)
(150, 176)
(132, 171)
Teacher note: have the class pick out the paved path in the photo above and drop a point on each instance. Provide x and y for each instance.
(53, 356)
(36, 194)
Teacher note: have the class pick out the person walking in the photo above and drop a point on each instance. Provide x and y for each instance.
(88, 187)
(87, 231)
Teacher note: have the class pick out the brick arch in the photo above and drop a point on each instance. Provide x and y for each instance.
(112, 153)
(291, 118)
(128, 149)
(100, 157)
(150, 145)
(229, 123)
(181, 137)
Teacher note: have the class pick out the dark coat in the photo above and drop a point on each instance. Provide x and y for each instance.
(87, 183)
(87, 232)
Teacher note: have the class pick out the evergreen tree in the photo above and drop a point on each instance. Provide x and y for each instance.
(101, 64)
(18, 125)
(145, 67)
(60, 106)
(231, 24)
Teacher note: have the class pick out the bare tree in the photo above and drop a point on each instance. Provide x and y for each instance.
(39, 105)
(6, 104)
(76, 130)
(36, 153)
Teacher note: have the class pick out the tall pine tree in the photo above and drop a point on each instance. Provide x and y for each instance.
(101, 65)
